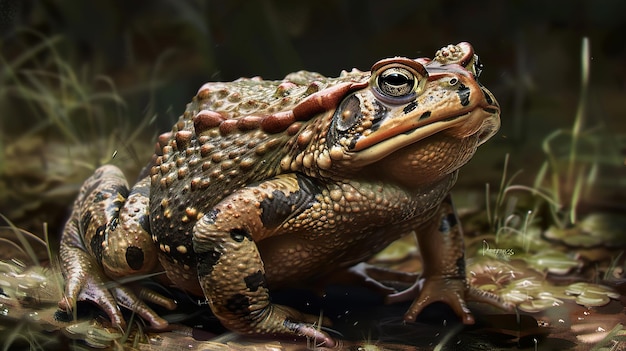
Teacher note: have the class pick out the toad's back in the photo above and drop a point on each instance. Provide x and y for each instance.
(231, 134)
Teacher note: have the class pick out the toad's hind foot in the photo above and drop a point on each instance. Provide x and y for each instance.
(291, 321)
(110, 296)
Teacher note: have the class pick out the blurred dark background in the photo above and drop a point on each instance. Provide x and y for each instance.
(526, 45)
(157, 53)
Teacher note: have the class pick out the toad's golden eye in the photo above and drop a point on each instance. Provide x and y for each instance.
(398, 80)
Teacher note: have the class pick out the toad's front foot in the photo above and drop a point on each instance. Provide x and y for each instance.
(452, 291)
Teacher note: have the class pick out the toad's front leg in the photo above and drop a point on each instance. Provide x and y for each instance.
(443, 278)
(230, 268)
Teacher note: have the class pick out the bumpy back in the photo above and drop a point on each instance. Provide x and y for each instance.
(231, 135)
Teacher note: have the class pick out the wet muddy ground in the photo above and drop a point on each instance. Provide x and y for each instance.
(566, 298)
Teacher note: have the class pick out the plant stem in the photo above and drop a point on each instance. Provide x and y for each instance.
(578, 122)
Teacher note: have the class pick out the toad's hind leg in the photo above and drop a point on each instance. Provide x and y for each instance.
(230, 268)
(106, 237)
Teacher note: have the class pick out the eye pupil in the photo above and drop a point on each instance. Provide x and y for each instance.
(396, 82)
(396, 79)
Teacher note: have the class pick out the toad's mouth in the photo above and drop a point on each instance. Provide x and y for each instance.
(484, 120)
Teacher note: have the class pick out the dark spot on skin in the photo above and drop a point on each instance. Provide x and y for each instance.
(239, 234)
(279, 208)
(353, 142)
(460, 266)
(254, 281)
(238, 304)
(123, 191)
(144, 222)
(134, 257)
(410, 107)
(425, 115)
(206, 261)
(276, 209)
(96, 242)
(464, 94)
